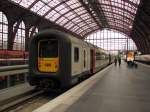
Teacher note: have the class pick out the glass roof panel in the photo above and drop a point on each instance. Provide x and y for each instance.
(69, 25)
(75, 5)
(72, 14)
(71, 17)
(119, 10)
(53, 3)
(62, 19)
(50, 14)
(26, 3)
(59, 8)
(64, 10)
(55, 16)
(37, 6)
(43, 10)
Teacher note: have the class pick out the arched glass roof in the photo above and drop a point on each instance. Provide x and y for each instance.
(111, 40)
(85, 16)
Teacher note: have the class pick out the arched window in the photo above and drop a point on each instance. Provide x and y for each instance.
(111, 40)
(3, 31)
(19, 42)
(35, 31)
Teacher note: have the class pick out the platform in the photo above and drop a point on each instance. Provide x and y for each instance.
(121, 89)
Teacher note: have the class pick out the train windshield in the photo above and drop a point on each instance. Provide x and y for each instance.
(48, 49)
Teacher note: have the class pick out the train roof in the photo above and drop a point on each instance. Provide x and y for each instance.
(66, 36)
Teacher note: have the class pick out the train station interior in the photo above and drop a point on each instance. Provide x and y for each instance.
(96, 52)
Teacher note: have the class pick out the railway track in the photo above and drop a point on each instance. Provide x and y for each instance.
(28, 102)
(12, 102)
(32, 100)
(18, 101)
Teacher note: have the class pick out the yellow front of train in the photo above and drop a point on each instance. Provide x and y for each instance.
(50, 60)
(48, 57)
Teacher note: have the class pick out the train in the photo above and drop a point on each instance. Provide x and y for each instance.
(59, 60)
(143, 58)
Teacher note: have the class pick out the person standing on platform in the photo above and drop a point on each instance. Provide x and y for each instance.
(119, 60)
(115, 61)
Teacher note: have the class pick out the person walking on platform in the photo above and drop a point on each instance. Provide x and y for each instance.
(115, 61)
(119, 60)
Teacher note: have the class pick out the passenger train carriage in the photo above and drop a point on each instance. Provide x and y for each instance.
(143, 58)
(58, 60)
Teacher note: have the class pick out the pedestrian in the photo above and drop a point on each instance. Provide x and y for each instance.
(115, 61)
(119, 60)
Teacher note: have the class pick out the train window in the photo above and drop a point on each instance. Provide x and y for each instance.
(48, 48)
(98, 56)
(76, 54)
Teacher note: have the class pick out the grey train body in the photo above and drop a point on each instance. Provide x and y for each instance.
(77, 59)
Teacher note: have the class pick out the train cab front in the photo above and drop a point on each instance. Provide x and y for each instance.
(46, 68)
(48, 59)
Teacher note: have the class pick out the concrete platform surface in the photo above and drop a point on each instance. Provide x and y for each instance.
(123, 89)
(114, 89)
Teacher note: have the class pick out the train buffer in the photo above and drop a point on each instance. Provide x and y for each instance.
(114, 89)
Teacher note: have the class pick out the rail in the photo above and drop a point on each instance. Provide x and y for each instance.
(11, 70)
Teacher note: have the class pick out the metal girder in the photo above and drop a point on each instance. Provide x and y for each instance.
(120, 15)
(101, 19)
(90, 13)
(84, 29)
(15, 30)
(76, 17)
(86, 34)
(107, 38)
(33, 4)
(119, 29)
(32, 31)
(141, 27)
(145, 26)
(139, 31)
(137, 28)
(54, 8)
(72, 10)
(135, 38)
(137, 43)
(98, 11)
(84, 26)
(131, 3)
(118, 21)
(111, 10)
(140, 40)
(133, 14)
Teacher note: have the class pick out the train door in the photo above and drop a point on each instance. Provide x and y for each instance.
(76, 60)
(92, 61)
(84, 58)
(86, 64)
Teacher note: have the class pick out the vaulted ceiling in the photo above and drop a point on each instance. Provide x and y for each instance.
(85, 16)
